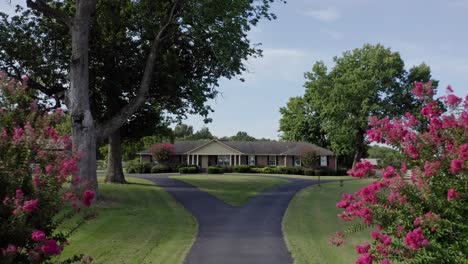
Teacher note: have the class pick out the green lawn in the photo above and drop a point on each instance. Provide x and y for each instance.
(137, 223)
(235, 190)
(311, 219)
(302, 177)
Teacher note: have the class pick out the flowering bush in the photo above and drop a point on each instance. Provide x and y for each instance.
(36, 166)
(162, 152)
(423, 218)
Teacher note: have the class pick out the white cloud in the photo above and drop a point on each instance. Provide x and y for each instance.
(328, 14)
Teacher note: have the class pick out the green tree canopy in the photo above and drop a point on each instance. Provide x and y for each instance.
(364, 82)
(242, 136)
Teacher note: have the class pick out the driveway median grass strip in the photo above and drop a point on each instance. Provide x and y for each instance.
(235, 190)
(311, 219)
(137, 223)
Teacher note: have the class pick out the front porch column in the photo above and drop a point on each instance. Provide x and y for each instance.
(285, 161)
(240, 160)
(230, 160)
(188, 159)
(197, 160)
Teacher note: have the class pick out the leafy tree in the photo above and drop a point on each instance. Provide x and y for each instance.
(388, 156)
(127, 56)
(309, 159)
(364, 82)
(300, 123)
(162, 152)
(202, 134)
(242, 136)
(182, 131)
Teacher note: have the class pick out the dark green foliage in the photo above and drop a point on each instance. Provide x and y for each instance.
(334, 111)
(134, 166)
(242, 136)
(256, 170)
(309, 172)
(291, 170)
(270, 170)
(309, 159)
(188, 169)
(241, 168)
(215, 170)
(387, 156)
(160, 169)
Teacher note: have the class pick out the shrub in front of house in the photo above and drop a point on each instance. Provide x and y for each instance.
(215, 170)
(309, 172)
(160, 169)
(270, 170)
(241, 169)
(256, 170)
(139, 167)
(188, 169)
(291, 170)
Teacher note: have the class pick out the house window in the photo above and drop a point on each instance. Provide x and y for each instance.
(252, 160)
(323, 161)
(272, 161)
(297, 161)
(223, 160)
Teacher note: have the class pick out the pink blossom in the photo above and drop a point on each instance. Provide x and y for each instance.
(38, 235)
(386, 261)
(25, 79)
(30, 205)
(17, 134)
(453, 100)
(361, 170)
(456, 165)
(415, 239)
(11, 248)
(362, 249)
(19, 195)
(365, 259)
(88, 196)
(51, 247)
(389, 172)
(463, 152)
(452, 194)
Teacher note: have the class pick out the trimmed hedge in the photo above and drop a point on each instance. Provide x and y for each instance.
(188, 169)
(271, 170)
(160, 169)
(241, 168)
(139, 168)
(215, 170)
(309, 172)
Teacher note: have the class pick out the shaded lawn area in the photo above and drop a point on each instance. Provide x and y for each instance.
(312, 218)
(301, 177)
(137, 223)
(235, 190)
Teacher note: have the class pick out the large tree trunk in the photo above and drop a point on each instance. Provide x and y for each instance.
(357, 156)
(361, 148)
(83, 127)
(114, 164)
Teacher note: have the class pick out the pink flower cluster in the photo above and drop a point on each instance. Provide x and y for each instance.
(435, 149)
(362, 169)
(415, 239)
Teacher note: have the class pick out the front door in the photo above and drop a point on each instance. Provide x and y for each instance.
(204, 161)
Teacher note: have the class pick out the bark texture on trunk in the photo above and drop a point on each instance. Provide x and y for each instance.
(114, 163)
(360, 151)
(83, 127)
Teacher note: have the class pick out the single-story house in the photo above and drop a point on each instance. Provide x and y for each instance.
(254, 153)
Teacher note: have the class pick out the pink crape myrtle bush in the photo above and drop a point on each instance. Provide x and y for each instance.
(162, 152)
(39, 187)
(418, 213)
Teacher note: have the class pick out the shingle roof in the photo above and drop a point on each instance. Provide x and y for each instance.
(255, 147)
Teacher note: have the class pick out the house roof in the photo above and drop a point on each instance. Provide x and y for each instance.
(251, 147)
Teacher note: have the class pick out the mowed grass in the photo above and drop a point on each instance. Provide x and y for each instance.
(137, 223)
(235, 190)
(311, 219)
(300, 177)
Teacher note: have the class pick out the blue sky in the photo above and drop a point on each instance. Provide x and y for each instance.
(431, 31)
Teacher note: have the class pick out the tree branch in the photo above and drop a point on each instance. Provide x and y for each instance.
(46, 10)
(107, 128)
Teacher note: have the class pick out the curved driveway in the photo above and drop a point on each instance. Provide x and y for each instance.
(227, 234)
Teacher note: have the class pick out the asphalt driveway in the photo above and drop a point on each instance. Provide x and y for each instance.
(227, 234)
